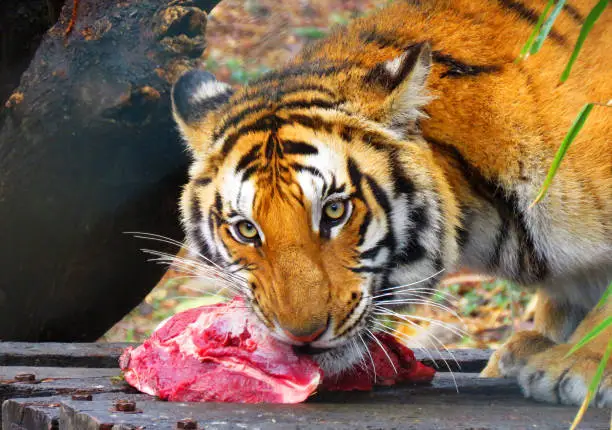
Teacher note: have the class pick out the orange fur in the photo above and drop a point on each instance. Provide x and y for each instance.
(477, 161)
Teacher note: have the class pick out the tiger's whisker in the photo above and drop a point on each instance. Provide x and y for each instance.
(368, 331)
(416, 282)
(369, 354)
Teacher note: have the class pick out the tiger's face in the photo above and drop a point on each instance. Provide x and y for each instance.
(306, 197)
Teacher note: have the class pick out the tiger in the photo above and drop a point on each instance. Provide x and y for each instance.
(406, 145)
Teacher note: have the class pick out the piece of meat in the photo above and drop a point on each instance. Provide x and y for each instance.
(388, 363)
(223, 353)
(219, 353)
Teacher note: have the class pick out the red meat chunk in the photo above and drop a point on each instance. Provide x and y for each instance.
(223, 353)
(377, 368)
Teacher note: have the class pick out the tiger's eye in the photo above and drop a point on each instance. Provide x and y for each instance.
(247, 230)
(335, 210)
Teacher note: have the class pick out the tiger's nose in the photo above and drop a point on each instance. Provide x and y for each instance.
(306, 335)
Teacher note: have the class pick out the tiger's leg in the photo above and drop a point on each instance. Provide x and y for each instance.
(540, 364)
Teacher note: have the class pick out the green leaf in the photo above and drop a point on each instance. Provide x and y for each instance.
(606, 296)
(596, 331)
(569, 138)
(525, 50)
(546, 27)
(310, 32)
(584, 31)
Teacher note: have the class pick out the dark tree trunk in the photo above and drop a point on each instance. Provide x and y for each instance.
(22, 26)
(88, 151)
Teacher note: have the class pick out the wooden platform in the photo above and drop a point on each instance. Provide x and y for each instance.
(75, 387)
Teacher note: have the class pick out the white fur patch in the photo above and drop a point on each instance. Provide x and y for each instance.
(209, 89)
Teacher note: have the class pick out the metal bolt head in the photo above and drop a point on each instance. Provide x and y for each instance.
(82, 397)
(106, 426)
(187, 424)
(25, 377)
(125, 405)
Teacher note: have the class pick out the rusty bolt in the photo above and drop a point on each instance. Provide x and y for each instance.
(187, 424)
(125, 406)
(106, 426)
(25, 377)
(82, 396)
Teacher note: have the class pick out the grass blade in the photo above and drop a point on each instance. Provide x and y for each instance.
(593, 387)
(596, 331)
(607, 295)
(569, 138)
(525, 49)
(584, 31)
(546, 27)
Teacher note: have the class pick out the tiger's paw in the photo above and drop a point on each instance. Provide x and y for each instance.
(545, 374)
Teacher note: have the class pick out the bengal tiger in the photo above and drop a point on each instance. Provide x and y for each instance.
(404, 146)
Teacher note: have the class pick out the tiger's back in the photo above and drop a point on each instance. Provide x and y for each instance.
(504, 120)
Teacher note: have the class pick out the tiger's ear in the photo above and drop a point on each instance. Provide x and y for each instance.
(195, 97)
(405, 78)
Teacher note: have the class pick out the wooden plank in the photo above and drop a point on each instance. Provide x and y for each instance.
(107, 355)
(59, 381)
(29, 414)
(457, 360)
(481, 403)
(54, 354)
(405, 410)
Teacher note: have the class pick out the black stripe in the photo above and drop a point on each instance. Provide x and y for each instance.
(270, 95)
(300, 148)
(248, 158)
(458, 68)
(346, 133)
(195, 220)
(313, 122)
(236, 118)
(380, 39)
(302, 168)
(574, 13)
(272, 92)
(202, 182)
(217, 100)
(462, 232)
(249, 172)
(363, 228)
(305, 104)
(218, 204)
(372, 252)
(560, 383)
(367, 269)
(531, 16)
(413, 250)
(267, 123)
(401, 183)
(533, 267)
(272, 147)
(379, 194)
(356, 176)
(377, 141)
(316, 68)
(500, 239)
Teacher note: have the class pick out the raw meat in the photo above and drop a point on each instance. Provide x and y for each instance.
(223, 353)
(219, 353)
(377, 369)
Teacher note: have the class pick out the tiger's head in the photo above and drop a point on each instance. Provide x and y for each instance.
(312, 187)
